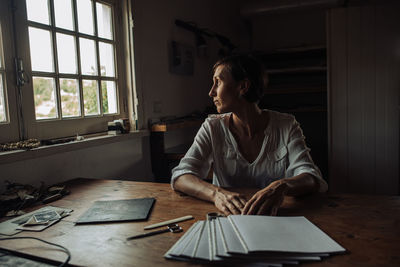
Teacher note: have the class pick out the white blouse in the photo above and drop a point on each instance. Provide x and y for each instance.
(283, 154)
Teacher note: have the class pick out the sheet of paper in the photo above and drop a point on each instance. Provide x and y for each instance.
(229, 245)
(178, 247)
(189, 247)
(217, 242)
(211, 240)
(11, 227)
(202, 248)
(37, 227)
(282, 234)
(230, 240)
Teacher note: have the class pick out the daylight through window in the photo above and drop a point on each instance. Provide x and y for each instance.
(64, 67)
(72, 58)
(3, 109)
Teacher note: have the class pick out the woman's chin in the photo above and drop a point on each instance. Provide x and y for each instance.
(222, 108)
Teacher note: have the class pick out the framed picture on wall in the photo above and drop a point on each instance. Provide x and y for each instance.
(181, 59)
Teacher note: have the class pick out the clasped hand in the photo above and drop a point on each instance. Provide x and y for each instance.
(264, 202)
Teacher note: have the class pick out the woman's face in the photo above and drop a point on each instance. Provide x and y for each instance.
(225, 91)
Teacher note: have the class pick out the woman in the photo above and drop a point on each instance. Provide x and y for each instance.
(247, 147)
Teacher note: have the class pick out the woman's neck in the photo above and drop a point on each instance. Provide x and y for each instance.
(247, 121)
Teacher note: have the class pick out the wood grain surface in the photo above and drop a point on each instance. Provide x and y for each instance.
(367, 226)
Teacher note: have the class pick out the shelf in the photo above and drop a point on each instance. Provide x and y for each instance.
(295, 60)
(175, 125)
(298, 79)
(301, 110)
(302, 48)
(278, 90)
(307, 110)
(297, 70)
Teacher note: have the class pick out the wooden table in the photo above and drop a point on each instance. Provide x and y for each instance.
(367, 226)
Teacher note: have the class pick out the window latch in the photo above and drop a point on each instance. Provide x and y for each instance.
(20, 72)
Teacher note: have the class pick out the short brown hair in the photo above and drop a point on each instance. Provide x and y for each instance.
(246, 67)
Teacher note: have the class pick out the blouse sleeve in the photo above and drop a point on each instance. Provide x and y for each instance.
(300, 160)
(197, 160)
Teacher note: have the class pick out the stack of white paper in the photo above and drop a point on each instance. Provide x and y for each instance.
(263, 240)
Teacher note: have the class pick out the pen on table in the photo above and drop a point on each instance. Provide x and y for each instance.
(173, 228)
(180, 219)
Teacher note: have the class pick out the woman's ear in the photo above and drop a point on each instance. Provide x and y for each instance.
(244, 86)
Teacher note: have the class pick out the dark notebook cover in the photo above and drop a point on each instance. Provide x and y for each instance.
(117, 211)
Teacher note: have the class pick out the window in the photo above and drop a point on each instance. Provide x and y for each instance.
(3, 108)
(9, 127)
(70, 54)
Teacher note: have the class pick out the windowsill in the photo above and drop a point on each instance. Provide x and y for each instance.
(43, 151)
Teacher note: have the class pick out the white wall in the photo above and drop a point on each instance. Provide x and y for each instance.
(364, 99)
(179, 95)
(154, 28)
(127, 160)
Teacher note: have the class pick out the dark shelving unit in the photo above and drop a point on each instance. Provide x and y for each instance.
(298, 85)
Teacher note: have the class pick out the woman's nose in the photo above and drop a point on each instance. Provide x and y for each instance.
(212, 91)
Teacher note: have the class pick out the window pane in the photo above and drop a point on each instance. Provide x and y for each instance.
(109, 95)
(45, 98)
(1, 50)
(90, 97)
(104, 21)
(66, 53)
(106, 59)
(3, 115)
(63, 14)
(69, 91)
(85, 16)
(38, 10)
(41, 50)
(88, 56)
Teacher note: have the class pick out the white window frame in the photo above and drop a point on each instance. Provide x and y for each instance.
(60, 127)
(9, 131)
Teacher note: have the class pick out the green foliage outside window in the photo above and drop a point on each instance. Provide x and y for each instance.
(69, 97)
(44, 95)
(104, 97)
(90, 97)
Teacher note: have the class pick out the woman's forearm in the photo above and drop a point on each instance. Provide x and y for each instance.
(226, 201)
(269, 199)
(300, 185)
(195, 187)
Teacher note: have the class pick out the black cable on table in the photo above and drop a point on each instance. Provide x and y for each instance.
(44, 241)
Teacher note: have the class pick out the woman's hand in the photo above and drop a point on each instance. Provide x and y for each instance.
(226, 201)
(266, 201)
(229, 202)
